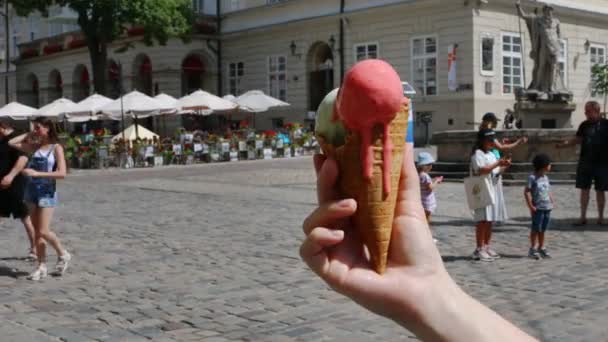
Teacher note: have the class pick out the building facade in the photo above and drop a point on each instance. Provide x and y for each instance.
(298, 50)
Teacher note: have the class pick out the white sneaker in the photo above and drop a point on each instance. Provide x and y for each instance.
(40, 273)
(63, 263)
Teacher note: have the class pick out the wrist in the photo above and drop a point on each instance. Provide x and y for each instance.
(439, 302)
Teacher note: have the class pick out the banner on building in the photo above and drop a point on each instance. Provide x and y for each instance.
(452, 82)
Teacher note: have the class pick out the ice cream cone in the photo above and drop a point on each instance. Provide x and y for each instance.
(375, 208)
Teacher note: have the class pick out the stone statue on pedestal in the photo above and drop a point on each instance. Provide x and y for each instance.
(544, 29)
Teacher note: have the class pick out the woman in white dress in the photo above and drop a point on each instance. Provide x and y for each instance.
(485, 163)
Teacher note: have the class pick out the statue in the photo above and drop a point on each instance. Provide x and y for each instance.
(545, 36)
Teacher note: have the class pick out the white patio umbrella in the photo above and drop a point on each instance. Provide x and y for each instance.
(56, 109)
(257, 101)
(17, 111)
(229, 97)
(135, 104)
(88, 108)
(204, 103)
(167, 101)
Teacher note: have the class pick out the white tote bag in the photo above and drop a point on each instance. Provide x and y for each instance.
(480, 192)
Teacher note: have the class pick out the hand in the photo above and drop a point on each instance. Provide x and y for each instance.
(524, 140)
(504, 162)
(30, 173)
(6, 182)
(439, 179)
(518, 3)
(415, 278)
(532, 210)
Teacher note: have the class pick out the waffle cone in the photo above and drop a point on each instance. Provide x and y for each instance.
(375, 209)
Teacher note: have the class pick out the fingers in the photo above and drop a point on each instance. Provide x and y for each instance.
(408, 199)
(326, 181)
(318, 160)
(313, 249)
(327, 214)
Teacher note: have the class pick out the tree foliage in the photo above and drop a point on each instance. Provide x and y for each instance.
(106, 21)
(599, 81)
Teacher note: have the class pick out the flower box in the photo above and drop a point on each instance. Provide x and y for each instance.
(51, 49)
(29, 53)
(77, 44)
(267, 153)
(234, 156)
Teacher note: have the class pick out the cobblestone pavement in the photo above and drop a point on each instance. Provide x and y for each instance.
(210, 253)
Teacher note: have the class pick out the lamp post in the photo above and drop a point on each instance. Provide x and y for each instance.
(7, 49)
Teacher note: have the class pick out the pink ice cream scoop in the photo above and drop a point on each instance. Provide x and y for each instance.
(371, 94)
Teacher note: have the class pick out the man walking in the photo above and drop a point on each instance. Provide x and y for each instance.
(592, 135)
(12, 183)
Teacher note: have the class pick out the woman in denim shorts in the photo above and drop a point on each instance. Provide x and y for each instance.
(47, 164)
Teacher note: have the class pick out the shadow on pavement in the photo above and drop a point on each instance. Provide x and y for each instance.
(11, 272)
(14, 259)
(568, 225)
(456, 258)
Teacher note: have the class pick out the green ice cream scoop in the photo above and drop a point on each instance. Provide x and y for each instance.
(333, 132)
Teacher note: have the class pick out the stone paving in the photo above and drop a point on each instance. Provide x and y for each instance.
(210, 253)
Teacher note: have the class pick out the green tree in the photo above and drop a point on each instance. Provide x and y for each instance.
(106, 21)
(599, 81)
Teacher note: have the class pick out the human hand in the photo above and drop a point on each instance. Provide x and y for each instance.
(6, 182)
(415, 281)
(504, 162)
(30, 173)
(518, 3)
(438, 180)
(532, 210)
(524, 139)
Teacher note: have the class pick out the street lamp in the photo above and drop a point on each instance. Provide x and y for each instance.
(7, 49)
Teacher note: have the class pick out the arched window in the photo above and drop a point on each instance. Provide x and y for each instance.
(142, 74)
(193, 70)
(81, 83)
(55, 85)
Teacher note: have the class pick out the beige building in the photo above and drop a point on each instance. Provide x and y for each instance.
(297, 50)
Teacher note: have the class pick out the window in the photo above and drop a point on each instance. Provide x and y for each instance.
(272, 2)
(277, 77)
(424, 64)
(198, 6)
(487, 56)
(548, 123)
(235, 74)
(33, 28)
(597, 56)
(512, 73)
(366, 51)
(562, 61)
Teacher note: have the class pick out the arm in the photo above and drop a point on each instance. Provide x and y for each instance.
(506, 147)
(528, 196)
(432, 298)
(567, 143)
(17, 168)
(22, 143)
(484, 170)
(61, 171)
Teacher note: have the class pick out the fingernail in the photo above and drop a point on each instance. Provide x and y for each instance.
(345, 204)
(337, 233)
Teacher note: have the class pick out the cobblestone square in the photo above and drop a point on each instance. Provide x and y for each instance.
(210, 253)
